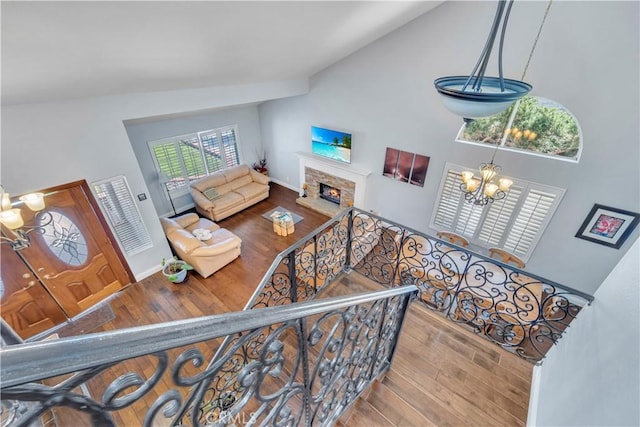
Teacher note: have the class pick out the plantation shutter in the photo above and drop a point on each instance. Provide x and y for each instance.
(498, 216)
(514, 223)
(123, 215)
(190, 157)
(230, 148)
(212, 153)
(168, 162)
(532, 218)
(468, 219)
(449, 201)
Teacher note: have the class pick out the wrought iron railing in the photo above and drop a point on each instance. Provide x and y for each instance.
(297, 359)
(522, 312)
(304, 364)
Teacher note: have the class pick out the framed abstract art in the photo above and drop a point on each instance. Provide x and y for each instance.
(608, 226)
(405, 167)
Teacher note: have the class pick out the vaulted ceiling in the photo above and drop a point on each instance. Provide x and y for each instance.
(63, 50)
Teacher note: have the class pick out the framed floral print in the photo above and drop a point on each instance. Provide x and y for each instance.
(608, 226)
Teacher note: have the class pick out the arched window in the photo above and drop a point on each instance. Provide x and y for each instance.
(533, 124)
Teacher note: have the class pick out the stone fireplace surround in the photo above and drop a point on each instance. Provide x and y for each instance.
(314, 178)
(350, 179)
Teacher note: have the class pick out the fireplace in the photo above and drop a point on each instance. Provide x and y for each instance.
(348, 181)
(330, 193)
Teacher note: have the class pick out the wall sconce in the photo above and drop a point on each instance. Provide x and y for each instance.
(11, 218)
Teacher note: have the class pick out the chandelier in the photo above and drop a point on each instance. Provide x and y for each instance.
(477, 96)
(487, 188)
(11, 218)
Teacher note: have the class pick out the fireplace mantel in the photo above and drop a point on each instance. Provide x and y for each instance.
(342, 170)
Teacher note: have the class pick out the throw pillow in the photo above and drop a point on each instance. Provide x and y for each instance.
(202, 234)
(211, 193)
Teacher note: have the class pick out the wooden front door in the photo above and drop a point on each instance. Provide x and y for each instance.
(26, 305)
(76, 257)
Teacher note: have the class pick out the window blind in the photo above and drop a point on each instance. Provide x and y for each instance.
(449, 200)
(230, 148)
(498, 217)
(530, 219)
(123, 215)
(189, 157)
(514, 223)
(168, 162)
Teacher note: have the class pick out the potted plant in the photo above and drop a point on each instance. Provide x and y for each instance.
(175, 270)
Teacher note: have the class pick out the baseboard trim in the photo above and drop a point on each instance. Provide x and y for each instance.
(285, 184)
(534, 396)
(148, 272)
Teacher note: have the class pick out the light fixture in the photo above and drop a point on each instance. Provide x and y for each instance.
(488, 187)
(477, 96)
(482, 100)
(11, 218)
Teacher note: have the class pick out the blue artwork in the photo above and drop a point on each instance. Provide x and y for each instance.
(331, 143)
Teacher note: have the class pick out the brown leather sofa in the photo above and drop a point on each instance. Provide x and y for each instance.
(222, 194)
(206, 256)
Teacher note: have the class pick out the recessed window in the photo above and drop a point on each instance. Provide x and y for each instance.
(514, 223)
(189, 157)
(532, 125)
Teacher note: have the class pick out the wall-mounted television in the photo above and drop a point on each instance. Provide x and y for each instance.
(329, 143)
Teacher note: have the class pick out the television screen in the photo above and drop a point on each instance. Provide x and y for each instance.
(331, 143)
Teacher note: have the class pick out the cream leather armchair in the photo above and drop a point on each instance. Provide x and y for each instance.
(206, 256)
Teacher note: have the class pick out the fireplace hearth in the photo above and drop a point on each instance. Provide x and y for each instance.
(329, 193)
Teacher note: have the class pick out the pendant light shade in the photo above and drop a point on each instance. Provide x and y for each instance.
(470, 104)
(476, 96)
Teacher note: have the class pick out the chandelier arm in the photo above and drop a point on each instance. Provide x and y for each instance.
(504, 30)
(21, 240)
(492, 37)
(487, 46)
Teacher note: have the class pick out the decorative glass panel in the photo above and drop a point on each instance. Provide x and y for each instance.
(64, 239)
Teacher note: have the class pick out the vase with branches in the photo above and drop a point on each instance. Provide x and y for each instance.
(261, 164)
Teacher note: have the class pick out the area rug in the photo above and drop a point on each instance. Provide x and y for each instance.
(296, 218)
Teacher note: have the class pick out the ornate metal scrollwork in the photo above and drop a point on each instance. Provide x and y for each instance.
(308, 369)
(520, 312)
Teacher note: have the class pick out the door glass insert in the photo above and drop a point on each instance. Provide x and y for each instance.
(64, 239)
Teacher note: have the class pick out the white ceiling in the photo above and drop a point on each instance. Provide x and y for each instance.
(62, 50)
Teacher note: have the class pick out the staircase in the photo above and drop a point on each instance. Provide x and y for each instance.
(441, 375)
(319, 337)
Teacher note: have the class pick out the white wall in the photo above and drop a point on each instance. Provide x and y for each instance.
(142, 131)
(586, 59)
(285, 126)
(592, 376)
(53, 143)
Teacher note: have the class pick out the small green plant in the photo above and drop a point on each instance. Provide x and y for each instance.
(175, 270)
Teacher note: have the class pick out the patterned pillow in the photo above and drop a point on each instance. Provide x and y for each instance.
(211, 193)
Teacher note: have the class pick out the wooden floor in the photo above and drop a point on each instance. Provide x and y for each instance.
(441, 375)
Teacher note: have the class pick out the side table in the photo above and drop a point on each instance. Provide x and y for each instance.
(283, 224)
